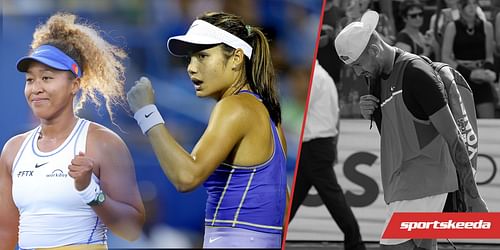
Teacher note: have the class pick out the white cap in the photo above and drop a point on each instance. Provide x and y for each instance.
(204, 33)
(352, 40)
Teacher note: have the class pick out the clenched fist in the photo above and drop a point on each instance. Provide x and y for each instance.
(367, 105)
(141, 94)
(81, 170)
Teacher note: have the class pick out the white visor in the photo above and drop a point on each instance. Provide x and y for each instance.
(204, 33)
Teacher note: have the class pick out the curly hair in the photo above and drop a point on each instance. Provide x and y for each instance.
(100, 61)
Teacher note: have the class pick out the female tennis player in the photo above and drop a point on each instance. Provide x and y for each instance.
(65, 182)
(240, 158)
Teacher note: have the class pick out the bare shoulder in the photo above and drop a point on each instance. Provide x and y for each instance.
(98, 131)
(234, 102)
(237, 107)
(102, 139)
(11, 148)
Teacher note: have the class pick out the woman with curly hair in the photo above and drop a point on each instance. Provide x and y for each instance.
(240, 159)
(65, 182)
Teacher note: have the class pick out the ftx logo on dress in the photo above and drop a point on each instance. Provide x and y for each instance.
(27, 173)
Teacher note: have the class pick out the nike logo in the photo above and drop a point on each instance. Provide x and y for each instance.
(148, 115)
(40, 51)
(210, 240)
(39, 165)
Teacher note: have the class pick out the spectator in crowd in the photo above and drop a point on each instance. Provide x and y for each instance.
(357, 8)
(446, 11)
(327, 56)
(468, 46)
(410, 38)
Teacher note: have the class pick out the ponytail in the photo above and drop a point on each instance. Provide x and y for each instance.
(261, 75)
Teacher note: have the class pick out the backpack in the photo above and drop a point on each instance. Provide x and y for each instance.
(461, 103)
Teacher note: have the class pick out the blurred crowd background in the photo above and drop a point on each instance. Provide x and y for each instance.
(142, 28)
(420, 27)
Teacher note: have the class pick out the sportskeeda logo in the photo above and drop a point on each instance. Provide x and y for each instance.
(443, 225)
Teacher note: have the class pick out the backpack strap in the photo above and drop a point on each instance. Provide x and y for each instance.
(461, 103)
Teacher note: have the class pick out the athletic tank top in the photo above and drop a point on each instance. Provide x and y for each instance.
(249, 197)
(51, 211)
(469, 46)
(415, 160)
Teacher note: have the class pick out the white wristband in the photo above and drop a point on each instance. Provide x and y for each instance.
(147, 117)
(90, 192)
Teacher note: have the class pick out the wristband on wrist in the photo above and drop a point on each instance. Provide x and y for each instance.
(147, 117)
(90, 192)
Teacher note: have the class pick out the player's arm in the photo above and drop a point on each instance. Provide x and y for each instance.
(445, 125)
(228, 124)
(123, 210)
(9, 215)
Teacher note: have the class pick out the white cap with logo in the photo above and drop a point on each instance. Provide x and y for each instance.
(352, 40)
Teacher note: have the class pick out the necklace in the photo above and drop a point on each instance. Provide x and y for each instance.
(470, 31)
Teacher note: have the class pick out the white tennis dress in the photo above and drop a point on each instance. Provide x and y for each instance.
(51, 212)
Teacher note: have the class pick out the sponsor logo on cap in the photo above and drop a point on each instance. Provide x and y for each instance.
(75, 68)
(39, 51)
(344, 58)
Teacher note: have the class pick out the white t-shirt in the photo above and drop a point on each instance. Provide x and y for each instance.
(323, 109)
